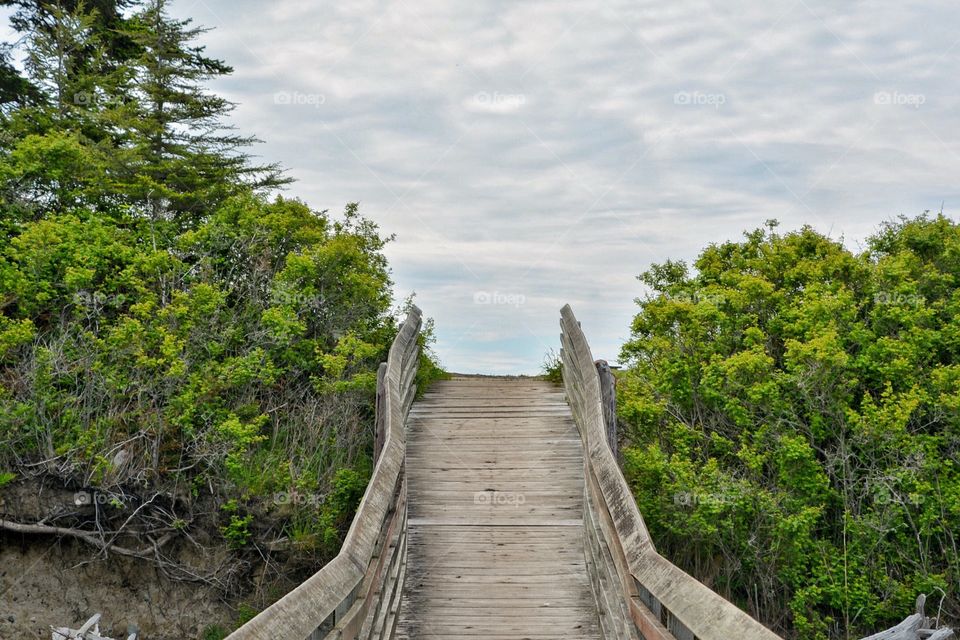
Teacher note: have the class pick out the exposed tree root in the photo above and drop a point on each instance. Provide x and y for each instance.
(86, 536)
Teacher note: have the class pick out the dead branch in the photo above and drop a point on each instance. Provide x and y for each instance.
(86, 536)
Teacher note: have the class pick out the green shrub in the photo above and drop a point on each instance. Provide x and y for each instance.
(214, 632)
(552, 367)
(792, 415)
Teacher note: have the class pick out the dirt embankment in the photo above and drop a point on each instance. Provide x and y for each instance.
(193, 586)
(46, 582)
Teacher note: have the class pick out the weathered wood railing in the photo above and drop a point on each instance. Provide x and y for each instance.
(639, 593)
(356, 594)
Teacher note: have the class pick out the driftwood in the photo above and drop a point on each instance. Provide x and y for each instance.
(89, 631)
(916, 626)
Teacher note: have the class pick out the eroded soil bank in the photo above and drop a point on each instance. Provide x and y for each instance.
(194, 587)
(46, 582)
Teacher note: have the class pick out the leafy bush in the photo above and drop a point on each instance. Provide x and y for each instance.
(792, 415)
(552, 368)
(214, 632)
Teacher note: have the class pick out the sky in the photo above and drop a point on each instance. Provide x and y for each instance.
(529, 154)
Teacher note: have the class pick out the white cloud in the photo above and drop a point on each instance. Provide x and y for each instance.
(555, 149)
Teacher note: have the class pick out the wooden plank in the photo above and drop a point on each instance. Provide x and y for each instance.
(495, 481)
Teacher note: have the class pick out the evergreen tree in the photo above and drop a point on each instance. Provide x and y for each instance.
(187, 159)
(57, 57)
(15, 90)
(40, 15)
(119, 119)
(161, 327)
(58, 148)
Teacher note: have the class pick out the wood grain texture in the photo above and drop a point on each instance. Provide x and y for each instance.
(495, 529)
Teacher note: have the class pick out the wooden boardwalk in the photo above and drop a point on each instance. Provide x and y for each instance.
(495, 523)
(488, 517)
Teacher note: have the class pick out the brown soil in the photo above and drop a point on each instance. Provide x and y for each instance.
(48, 582)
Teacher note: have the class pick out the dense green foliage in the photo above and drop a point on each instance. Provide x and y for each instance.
(793, 415)
(240, 360)
(195, 355)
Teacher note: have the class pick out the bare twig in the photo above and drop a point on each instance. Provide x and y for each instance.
(86, 536)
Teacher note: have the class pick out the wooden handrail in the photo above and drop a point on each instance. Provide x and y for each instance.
(639, 592)
(356, 594)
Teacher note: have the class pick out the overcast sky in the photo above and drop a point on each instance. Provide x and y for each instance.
(529, 154)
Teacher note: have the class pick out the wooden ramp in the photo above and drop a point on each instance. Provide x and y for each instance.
(475, 525)
(495, 545)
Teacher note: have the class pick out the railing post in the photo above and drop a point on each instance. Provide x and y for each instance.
(380, 420)
(608, 397)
